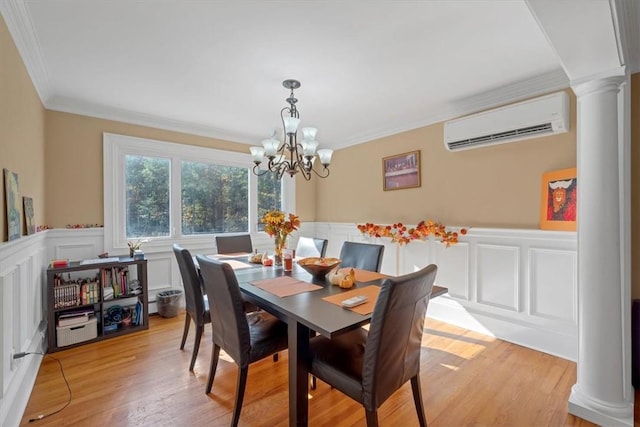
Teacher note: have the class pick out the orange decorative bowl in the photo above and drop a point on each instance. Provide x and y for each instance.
(319, 267)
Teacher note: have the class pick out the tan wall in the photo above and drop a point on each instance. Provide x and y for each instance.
(21, 130)
(74, 165)
(496, 186)
(635, 185)
(306, 198)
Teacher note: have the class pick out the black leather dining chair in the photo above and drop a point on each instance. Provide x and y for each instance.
(364, 256)
(246, 338)
(234, 244)
(370, 366)
(311, 247)
(196, 305)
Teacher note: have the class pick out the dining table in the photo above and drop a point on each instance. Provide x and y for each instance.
(309, 305)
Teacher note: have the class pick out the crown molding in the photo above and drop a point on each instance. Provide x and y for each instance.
(83, 108)
(624, 14)
(24, 36)
(517, 91)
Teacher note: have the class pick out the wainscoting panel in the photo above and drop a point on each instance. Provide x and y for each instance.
(454, 269)
(517, 285)
(22, 266)
(497, 281)
(161, 269)
(548, 267)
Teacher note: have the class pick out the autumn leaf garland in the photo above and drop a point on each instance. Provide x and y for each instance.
(399, 233)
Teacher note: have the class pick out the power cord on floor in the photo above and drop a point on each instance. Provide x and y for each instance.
(42, 416)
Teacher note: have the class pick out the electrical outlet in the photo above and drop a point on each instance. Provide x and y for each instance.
(12, 361)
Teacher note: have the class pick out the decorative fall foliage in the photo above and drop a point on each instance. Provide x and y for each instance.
(399, 233)
(277, 224)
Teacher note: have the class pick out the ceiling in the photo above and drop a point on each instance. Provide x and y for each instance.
(368, 69)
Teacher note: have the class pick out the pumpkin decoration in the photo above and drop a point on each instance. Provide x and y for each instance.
(344, 280)
(256, 258)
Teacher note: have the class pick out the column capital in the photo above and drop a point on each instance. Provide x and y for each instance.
(605, 84)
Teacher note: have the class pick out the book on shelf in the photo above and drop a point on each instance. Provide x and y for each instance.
(99, 260)
(56, 263)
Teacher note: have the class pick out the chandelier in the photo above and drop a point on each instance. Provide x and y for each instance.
(290, 156)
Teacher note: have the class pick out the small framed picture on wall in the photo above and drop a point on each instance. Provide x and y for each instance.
(13, 204)
(558, 200)
(401, 171)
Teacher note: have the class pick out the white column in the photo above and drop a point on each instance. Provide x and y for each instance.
(602, 393)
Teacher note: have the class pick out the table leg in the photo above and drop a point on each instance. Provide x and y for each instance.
(298, 374)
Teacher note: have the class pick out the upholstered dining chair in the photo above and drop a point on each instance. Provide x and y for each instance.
(234, 244)
(364, 256)
(311, 247)
(246, 338)
(196, 305)
(370, 366)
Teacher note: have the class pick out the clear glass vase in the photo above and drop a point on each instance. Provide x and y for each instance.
(280, 242)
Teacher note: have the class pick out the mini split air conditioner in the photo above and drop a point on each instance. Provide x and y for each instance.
(542, 116)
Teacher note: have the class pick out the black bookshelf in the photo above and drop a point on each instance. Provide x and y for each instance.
(93, 300)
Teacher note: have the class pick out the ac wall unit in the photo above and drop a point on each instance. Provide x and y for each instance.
(542, 116)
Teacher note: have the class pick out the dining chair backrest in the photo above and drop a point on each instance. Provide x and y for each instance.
(364, 256)
(234, 244)
(392, 351)
(194, 301)
(228, 318)
(311, 247)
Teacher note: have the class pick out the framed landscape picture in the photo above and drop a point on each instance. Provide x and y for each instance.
(13, 204)
(401, 171)
(558, 200)
(29, 225)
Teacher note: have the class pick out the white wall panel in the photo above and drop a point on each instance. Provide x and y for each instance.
(22, 264)
(160, 272)
(453, 269)
(411, 257)
(8, 285)
(497, 281)
(553, 284)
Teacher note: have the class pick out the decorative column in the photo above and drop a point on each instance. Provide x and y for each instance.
(602, 393)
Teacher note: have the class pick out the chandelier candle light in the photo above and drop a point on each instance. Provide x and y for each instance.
(290, 156)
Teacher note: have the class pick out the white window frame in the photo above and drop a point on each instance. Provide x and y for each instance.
(117, 147)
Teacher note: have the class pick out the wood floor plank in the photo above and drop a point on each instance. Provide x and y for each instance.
(468, 379)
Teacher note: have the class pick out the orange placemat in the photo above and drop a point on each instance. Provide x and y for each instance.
(237, 265)
(371, 293)
(363, 275)
(233, 255)
(284, 286)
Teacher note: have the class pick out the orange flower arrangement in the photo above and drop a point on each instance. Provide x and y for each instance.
(399, 233)
(279, 225)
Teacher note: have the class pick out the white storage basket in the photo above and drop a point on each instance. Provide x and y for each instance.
(73, 334)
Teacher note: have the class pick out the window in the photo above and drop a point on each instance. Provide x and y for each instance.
(214, 198)
(269, 195)
(147, 196)
(165, 191)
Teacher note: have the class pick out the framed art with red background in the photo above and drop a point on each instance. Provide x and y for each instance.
(558, 201)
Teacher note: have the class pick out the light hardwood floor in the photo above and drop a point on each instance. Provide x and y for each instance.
(468, 379)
